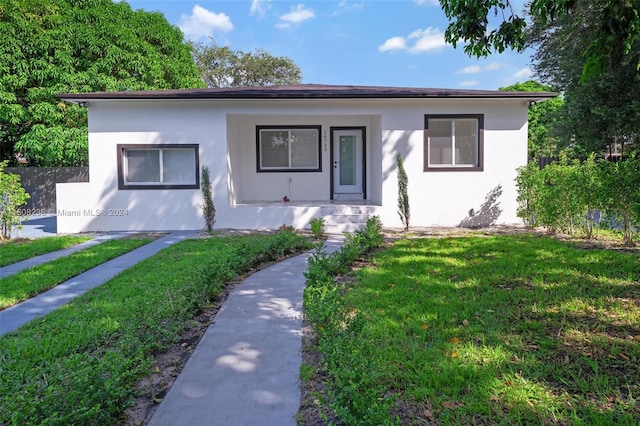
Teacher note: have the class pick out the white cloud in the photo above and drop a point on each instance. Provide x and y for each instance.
(350, 6)
(394, 43)
(524, 73)
(430, 39)
(259, 8)
(473, 69)
(427, 2)
(427, 40)
(493, 66)
(202, 23)
(298, 14)
(468, 83)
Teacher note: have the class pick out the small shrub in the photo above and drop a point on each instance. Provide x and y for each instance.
(12, 197)
(208, 208)
(403, 194)
(317, 227)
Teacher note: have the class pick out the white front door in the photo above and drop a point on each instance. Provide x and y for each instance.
(348, 164)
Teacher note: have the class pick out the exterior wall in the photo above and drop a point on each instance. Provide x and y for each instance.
(445, 198)
(225, 132)
(251, 186)
(99, 205)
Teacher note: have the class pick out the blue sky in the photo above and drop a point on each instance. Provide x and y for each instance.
(359, 42)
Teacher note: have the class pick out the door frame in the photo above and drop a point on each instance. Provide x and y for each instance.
(363, 131)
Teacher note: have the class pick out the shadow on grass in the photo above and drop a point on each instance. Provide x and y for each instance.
(519, 329)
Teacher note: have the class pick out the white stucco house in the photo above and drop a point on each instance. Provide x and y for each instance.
(331, 150)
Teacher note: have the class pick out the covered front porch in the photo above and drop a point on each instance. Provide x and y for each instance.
(312, 161)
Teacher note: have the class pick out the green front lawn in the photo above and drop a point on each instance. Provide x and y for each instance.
(485, 330)
(80, 364)
(13, 251)
(33, 281)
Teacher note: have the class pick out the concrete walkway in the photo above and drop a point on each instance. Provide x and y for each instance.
(14, 268)
(246, 368)
(14, 317)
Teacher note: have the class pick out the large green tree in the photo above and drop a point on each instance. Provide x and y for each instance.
(542, 117)
(219, 66)
(601, 112)
(487, 26)
(56, 46)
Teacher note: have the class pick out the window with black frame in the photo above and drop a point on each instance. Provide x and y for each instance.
(453, 142)
(288, 148)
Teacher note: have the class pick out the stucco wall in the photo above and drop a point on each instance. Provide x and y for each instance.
(226, 135)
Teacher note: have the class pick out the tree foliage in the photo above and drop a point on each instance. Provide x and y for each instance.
(571, 195)
(601, 112)
(12, 197)
(542, 116)
(56, 46)
(617, 28)
(219, 66)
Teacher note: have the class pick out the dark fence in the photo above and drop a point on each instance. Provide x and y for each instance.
(40, 183)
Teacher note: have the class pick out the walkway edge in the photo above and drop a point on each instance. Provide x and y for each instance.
(14, 317)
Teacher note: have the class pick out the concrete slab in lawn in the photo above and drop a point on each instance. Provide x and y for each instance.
(12, 318)
(14, 268)
(246, 368)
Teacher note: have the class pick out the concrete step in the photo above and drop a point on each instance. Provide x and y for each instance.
(338, 209)
(341, 228)
(335, 219)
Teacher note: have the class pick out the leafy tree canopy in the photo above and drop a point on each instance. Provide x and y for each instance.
(617, 29)
(601, 113)
(542, 116)
(220, 66)
(55, 46)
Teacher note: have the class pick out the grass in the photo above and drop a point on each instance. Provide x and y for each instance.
(485, 330)
(17, 250)
(33, 281)
(79, 364)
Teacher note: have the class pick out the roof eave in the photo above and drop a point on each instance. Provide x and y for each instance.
(132, 96)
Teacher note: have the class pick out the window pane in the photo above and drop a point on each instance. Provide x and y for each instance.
(466, 142)
(179, 165)
(347, 160)
(143, 165)
(274, 148)
(304, 149)
(440, 142)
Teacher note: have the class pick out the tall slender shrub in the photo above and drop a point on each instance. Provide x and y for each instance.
(12, 197)
(403, 193)
(208, 208)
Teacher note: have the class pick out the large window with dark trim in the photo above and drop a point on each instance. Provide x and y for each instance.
(288, 149)
(453, 142)
(169, 166)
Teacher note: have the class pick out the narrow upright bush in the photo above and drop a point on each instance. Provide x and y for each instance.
(208, 208)
(12, 197)
(403, 193)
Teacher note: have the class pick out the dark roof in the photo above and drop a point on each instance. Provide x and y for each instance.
(307, 91)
